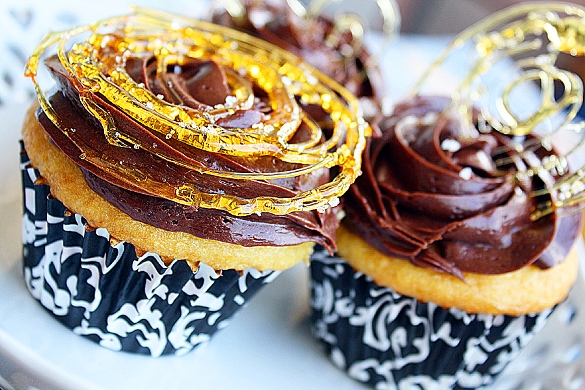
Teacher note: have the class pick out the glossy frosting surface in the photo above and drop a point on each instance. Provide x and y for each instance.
(432, 194)
(194, 78)
(198, 128)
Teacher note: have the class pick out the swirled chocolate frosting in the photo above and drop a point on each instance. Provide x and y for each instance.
(195, 84)
(432, 193)
(335, 53)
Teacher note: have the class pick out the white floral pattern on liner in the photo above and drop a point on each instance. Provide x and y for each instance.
(392, 341)
(115, 298)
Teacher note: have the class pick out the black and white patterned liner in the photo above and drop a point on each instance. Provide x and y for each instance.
(115, 298)
(392, 341)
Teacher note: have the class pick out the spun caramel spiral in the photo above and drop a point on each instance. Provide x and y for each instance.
(264, 114)
(529, 38)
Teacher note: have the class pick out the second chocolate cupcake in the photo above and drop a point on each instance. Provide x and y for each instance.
(462, 234)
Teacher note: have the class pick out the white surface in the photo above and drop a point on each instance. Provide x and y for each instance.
(267, 346)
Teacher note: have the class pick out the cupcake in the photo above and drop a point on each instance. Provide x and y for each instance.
(458, 242)
(174, 169)
(327, 43)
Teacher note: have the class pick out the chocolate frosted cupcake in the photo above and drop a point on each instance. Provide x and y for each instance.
(442, 276)
(457, 243)
(175, 168)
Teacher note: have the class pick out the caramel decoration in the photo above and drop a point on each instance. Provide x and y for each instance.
(96, 66)
(515, 48)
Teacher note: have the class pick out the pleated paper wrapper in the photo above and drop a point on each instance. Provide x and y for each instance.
(391, 341)
(112, 296)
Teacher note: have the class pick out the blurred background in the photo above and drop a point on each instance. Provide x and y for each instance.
(449, 17)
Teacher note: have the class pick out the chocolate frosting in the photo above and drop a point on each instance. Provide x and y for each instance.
(196, 84)
(343, 61)
(448, 208)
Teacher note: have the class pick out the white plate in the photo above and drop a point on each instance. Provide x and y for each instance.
(268, 345)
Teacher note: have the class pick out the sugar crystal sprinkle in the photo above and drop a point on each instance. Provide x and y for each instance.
(450, 145)
(465, 173)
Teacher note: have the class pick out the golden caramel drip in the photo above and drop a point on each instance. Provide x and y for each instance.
(529, 37)
(96, 65)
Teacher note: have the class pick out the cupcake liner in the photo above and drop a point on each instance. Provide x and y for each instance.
(392, 341)
(110, 295)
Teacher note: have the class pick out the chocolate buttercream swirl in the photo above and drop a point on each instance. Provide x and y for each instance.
(197, 128)
(433, 195)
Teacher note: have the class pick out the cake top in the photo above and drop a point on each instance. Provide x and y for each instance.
(514, 80)
(103, 62)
